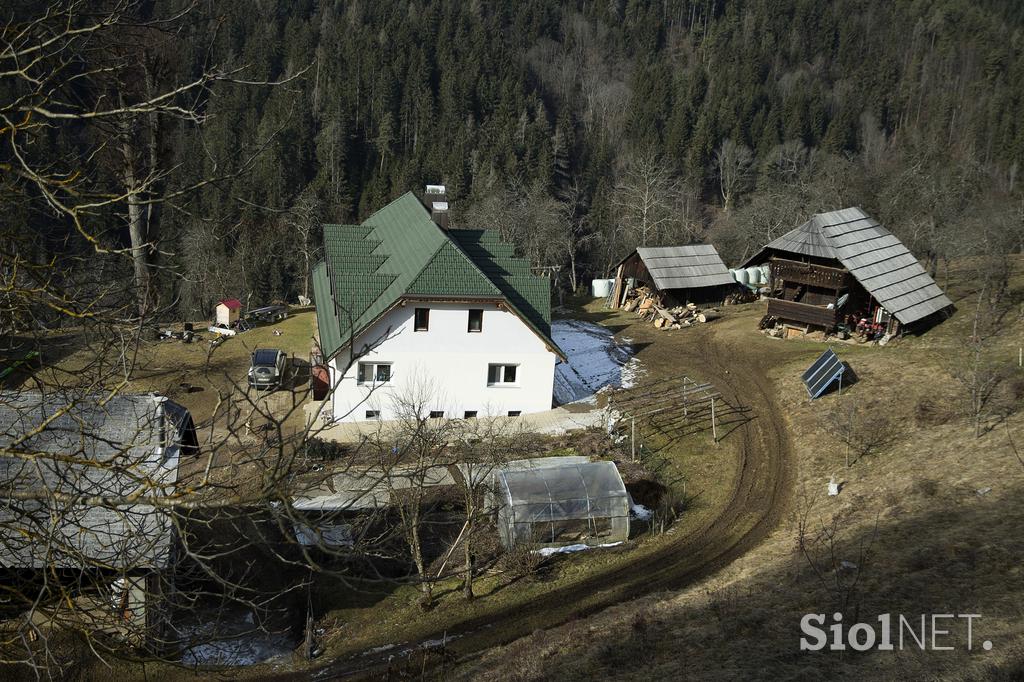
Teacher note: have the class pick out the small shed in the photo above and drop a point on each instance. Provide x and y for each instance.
(228, 311)
(686, 274)
(556, 503)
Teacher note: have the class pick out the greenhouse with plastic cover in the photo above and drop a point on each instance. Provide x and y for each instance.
(556, 501)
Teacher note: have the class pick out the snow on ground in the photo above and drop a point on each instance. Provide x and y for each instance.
(568, 549)
(232, 638)
(642, 513)
(596, 360)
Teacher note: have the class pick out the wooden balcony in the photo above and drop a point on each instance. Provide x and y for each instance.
(807, 273)
(791, 311)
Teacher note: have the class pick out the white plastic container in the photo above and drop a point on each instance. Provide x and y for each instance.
(601, 287)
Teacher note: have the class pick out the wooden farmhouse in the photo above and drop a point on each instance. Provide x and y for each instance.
(843, 268)
(680, 274)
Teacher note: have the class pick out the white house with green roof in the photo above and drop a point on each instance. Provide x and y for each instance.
(448, 319)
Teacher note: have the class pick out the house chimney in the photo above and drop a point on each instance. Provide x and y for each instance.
(436, 199)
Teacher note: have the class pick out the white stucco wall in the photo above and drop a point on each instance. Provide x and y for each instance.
(446, 366)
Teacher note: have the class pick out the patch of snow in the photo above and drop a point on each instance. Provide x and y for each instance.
(326, 535)
(231, 638)
(433, 643)
(632, 371)
(569, 549)
(380, 649)
(642, 513)
(595, 360)
(242, 650)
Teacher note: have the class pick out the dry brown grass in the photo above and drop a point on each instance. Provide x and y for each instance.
(934, 521)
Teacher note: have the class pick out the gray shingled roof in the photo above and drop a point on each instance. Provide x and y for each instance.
(115, 448)
(872, 254)
(685, 267)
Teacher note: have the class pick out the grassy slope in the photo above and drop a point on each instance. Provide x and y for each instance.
(163, 366)
(394, 616)
(911, 516)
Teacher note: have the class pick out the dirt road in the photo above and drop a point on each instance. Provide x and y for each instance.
(719, 354)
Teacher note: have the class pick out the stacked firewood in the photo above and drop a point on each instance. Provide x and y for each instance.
(648, 305)
(745, 296)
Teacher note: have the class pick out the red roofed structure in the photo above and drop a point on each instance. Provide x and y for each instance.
(227, 311)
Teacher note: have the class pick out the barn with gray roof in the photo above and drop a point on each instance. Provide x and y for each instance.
(687, 274)
(76, 474)
(843, 267)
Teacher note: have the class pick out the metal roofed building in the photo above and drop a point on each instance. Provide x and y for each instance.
(689, 274)
(402, 302)
(844, 263)
(95, 450)
(73, 481)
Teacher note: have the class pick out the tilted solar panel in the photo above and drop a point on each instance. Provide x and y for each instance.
(823, 372)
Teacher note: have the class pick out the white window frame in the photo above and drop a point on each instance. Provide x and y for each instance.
(501, 379)
(373, 381)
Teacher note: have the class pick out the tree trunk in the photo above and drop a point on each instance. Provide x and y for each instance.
(417, 557)
(467, 585)
(136, 227)
(572, 270)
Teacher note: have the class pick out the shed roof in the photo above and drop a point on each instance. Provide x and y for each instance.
(685, 267)
(399, 251)
(85, 446)
(365, 488)
(231, 303)
(872, 254)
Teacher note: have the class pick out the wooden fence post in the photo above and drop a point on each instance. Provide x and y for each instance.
(714, 429)
(632, 437)
(685, 415)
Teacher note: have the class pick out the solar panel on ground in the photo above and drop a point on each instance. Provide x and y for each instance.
(823, 372)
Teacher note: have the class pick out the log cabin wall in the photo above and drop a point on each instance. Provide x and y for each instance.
(634, 267)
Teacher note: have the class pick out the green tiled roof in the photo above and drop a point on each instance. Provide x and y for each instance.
(450, 272)
(399, 251)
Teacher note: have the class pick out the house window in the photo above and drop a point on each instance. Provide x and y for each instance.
(437, 414)
(476, 320)
(373, 414)
(501, 374)
(374, 372)
(469, 414)
(422, 321)
(514, 413)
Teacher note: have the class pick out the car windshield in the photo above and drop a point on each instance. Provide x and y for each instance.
(264, 357)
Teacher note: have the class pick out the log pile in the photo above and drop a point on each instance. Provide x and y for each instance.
(745, 296)
(648, 306)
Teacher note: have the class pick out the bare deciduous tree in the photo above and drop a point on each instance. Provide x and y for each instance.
(648, 199)
(732, 163)
(862, 429)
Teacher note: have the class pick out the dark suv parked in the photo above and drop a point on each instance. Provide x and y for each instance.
(267, 368)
